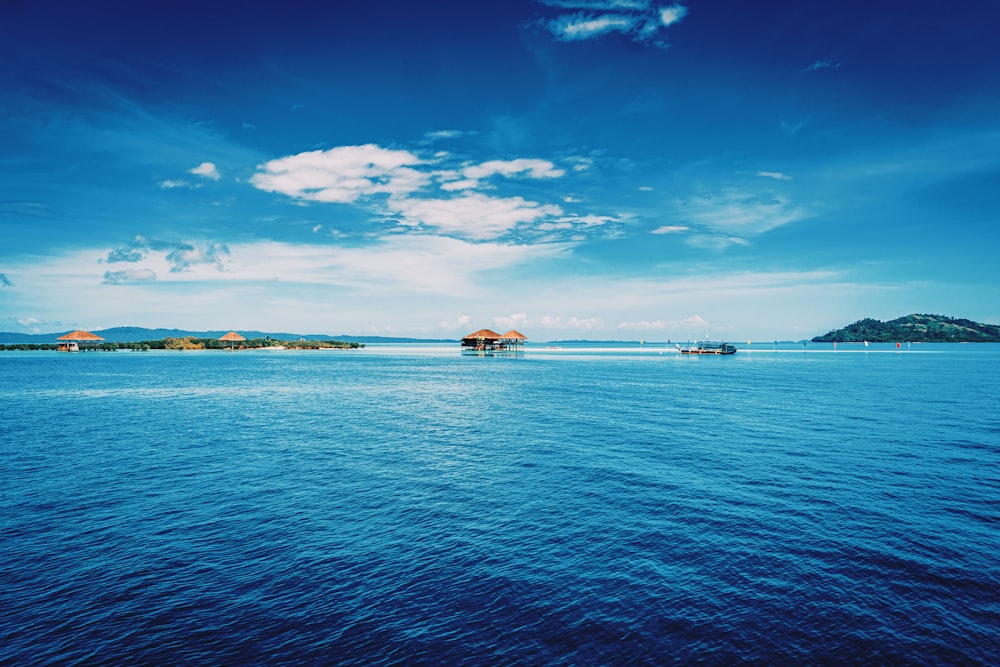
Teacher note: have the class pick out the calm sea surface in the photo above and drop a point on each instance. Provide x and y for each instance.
(410, 505)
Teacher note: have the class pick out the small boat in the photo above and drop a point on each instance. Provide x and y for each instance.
(708, 347)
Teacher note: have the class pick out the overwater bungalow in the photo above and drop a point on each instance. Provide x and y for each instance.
(78, 340)
(484, 339)
(232, 338)
(491, 341)
(512, 340)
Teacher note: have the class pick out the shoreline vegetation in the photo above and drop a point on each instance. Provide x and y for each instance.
(194, 343)
(914, 329)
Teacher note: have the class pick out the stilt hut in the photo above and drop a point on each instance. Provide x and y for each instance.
(512, 340)
(232, 338)
(484, 339)
(78, 340)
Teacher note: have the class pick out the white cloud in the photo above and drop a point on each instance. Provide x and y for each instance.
(461, 323)
(207, 170)
(464, 184)
(588, 323)
(683, 325)
(472, 175)
(396, 265)
(637, 18)
(643, 325)
(776, 175)
(586, 221)
(343, 174)
(474, 216)
(672, 14)
(670, 229)
(169, 184)
(445, 134)
(533, 168)
(571, 323)
(512, 321)
(351, 174)
(582, 26)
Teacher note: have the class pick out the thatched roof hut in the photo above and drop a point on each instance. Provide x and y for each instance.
(77, 340)
(233, 338)
(481, 340)
(512, 338)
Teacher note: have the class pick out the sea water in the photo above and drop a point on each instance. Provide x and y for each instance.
(411, 505)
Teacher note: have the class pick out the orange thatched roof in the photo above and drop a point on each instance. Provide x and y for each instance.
(514, 334)
(486, 334)
(80, 335)
(232, 336)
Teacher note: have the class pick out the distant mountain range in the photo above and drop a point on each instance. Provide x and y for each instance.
(137, 334)
(914, 329)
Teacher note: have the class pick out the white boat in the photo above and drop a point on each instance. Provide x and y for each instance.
(707, 347)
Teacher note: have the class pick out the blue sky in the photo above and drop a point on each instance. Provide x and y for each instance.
(606, 169)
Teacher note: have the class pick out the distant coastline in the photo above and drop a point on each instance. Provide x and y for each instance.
(139, 334)
(917, 328)
(193, 343)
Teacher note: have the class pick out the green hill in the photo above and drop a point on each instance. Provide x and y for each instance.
(914, 329)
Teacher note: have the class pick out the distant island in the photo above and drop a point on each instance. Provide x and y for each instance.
(195, 343)
(914, 329)
(140, 335)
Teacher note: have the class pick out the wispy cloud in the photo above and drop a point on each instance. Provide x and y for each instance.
(180, 256)
(738, 214)
(471, 177)
(642, 20)
(670, 229)
(442, 135)
(822, 63)
(776, 175)
(512, 321)
(572, 323)
(583, 26)
(394, 265)
(531, 168)
(128, 276)
(694, 322)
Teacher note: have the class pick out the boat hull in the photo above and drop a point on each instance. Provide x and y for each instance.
(708, 347)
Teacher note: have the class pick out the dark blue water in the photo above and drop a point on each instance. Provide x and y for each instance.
(413, 506)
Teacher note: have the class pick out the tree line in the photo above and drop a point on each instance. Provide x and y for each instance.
(192, 343)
